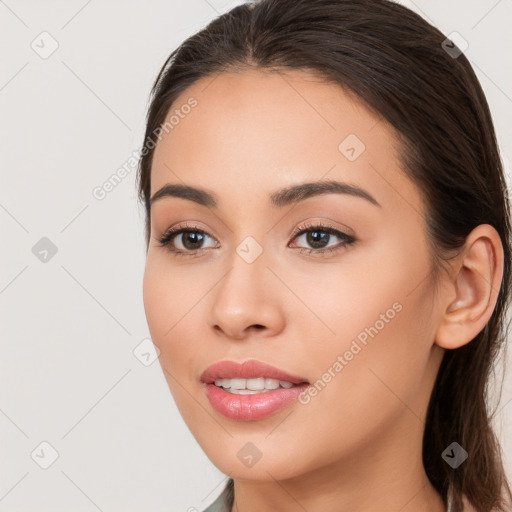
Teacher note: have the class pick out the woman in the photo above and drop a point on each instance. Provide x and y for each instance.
(328, 263)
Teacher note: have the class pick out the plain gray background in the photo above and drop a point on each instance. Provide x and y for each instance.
(73, 373)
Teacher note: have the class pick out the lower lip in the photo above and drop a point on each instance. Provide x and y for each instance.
(251, 407)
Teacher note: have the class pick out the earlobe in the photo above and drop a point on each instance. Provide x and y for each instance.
(472, 289)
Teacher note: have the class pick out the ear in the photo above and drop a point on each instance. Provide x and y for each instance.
(471, 291)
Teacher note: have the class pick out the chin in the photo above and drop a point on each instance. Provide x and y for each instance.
(245, 459)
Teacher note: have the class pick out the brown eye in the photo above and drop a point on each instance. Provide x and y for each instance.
(180, 240)
(319, 235)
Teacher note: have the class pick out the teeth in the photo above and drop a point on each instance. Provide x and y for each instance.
(255, 384)
(271, 383)
(237, 384)
(251, 386)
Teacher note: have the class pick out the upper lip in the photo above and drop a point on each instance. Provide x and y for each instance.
(251, 369)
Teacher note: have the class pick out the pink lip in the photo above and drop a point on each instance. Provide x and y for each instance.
(249, 407)
(247, 370)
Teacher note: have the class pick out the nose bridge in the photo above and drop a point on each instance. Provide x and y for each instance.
(247, 273)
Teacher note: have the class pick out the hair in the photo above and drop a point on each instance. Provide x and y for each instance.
(398, 65)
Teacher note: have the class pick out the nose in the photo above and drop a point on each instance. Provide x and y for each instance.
(246, 301)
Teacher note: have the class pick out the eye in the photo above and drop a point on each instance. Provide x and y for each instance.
(189, 240)
(188, 244)
(318, 236)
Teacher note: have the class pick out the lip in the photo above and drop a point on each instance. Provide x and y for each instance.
(251, 369)
(255, 406)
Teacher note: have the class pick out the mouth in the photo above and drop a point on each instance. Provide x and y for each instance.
(250, 375)
(270, 388)
(252, 386)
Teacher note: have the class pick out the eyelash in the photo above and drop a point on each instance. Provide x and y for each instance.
(166, 239)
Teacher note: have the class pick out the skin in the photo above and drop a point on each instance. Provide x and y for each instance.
(357, 444)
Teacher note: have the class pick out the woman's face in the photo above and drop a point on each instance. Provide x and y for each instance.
(357, 323)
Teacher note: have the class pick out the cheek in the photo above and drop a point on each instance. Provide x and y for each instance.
(376, 338)
(166, 302)
(157, 299)
(362, 397)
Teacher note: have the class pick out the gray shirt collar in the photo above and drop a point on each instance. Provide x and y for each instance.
(224, 502)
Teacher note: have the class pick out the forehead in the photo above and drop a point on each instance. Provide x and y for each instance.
(256, 131)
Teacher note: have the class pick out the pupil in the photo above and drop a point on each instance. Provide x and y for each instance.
(313, 238)
(194, 238)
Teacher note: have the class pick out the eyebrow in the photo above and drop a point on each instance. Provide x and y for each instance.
(278, 199)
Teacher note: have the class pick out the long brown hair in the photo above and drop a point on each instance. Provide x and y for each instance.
(400, 66)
